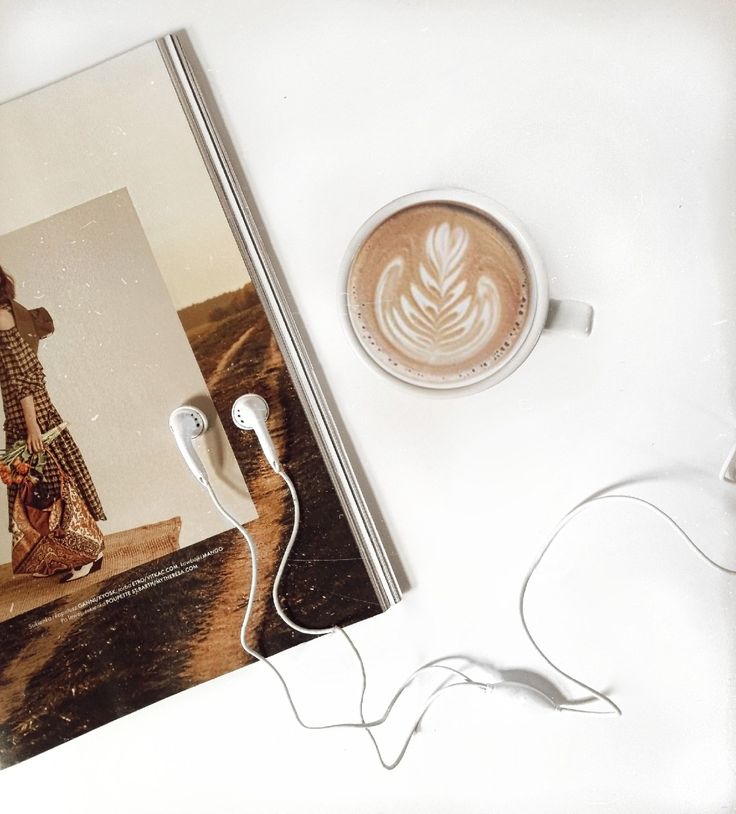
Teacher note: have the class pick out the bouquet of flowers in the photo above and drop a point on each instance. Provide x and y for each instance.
(19, 465)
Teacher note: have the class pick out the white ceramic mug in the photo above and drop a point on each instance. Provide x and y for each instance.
(569, 316)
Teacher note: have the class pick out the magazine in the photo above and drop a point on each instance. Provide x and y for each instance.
(137, 280)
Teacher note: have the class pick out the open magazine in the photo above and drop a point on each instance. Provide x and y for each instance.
(123, 223)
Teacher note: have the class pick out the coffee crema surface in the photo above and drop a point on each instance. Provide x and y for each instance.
(438, 295)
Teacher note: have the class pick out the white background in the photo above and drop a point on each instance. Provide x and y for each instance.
(609, 130)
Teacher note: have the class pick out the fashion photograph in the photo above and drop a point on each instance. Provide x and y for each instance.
(115, 359)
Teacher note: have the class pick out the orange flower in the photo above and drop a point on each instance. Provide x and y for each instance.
(21, 467)
(4, 468)
(5, 477)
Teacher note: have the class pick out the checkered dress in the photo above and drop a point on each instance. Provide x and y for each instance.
(21, 375)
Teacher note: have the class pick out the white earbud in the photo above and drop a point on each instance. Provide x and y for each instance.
(250, 412)
(187, 423)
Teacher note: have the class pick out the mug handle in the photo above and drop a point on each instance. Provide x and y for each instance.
(570, 317)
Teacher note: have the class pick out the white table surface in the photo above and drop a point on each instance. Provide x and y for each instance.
(609, 129)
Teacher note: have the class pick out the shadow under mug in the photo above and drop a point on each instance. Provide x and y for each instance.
(544, 313)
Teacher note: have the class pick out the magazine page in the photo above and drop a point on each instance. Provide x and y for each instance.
(125, 296)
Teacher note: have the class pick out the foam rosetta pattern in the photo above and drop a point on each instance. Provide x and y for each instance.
(430, 311)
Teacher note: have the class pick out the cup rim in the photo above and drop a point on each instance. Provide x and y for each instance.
(538, 285)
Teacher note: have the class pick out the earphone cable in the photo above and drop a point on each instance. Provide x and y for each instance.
(456, 677)
(362, 724)
(614, 709)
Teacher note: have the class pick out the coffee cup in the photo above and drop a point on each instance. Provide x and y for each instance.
(444, 292)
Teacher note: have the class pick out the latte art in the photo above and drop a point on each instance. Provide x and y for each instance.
(428, 313)
(438, 294)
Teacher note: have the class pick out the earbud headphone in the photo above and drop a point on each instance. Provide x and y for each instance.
(250, 412)
(188, 423)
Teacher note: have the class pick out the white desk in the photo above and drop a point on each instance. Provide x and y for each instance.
(609, 129)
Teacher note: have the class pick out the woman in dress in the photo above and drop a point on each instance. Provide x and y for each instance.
(29, 413)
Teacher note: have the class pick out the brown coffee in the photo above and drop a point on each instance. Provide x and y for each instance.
(438, 294)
